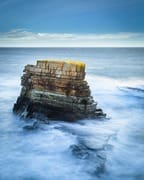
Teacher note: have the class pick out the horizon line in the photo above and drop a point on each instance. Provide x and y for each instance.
(72, 47)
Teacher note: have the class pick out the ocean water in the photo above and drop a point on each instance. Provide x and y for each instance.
(111, 149)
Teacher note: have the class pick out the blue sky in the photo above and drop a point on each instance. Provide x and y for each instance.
(72, 23)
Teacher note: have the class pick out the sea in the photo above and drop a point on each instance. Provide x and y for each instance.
(90, 149)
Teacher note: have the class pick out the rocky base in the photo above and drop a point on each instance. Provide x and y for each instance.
(26, 108)
(56, 90)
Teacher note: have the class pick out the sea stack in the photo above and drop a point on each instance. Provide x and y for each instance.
(56, 90)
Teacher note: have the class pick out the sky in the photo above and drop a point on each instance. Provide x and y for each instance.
(71, 23)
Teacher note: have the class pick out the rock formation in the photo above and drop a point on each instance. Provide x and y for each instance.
(56, 90)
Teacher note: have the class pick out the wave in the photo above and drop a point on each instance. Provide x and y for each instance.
(133, 91)
(136, 89)
(106, 85)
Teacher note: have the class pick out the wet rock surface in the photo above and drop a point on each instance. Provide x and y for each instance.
(56, 90)
(30, 127)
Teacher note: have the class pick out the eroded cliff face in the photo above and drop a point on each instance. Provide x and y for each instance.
(56, 90)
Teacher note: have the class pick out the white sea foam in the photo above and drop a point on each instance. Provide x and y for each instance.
(107, 83)
(9, 81)
(61, 150)
(10, 87)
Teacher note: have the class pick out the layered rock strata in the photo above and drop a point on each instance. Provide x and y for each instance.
(56, 90)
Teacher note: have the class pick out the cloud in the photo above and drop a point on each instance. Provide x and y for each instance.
(25, 38)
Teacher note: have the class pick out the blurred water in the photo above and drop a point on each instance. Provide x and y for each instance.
(90, 149)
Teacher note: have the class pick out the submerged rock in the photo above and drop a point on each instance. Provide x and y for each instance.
(31, 127)
(56, 90)
(95, 159)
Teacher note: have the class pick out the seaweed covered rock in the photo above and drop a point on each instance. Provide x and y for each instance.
(56, 90)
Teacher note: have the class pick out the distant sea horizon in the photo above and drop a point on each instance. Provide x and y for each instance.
(73, 47)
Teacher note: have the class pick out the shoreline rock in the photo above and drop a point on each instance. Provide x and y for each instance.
(56, 90)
